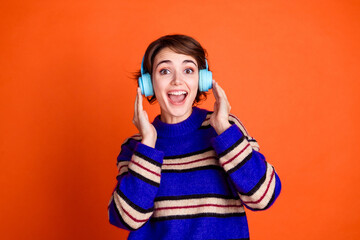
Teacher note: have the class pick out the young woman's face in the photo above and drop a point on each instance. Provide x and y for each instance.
(175, 80)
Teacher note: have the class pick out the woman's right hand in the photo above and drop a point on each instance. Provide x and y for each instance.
(141, 121)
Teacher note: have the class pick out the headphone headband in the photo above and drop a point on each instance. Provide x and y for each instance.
(142, 65)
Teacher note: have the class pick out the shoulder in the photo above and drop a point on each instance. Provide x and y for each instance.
(128, 147)
(233, 119)
(136, 137)
(206, 122)
(131, 142)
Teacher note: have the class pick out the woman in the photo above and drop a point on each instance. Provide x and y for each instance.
(189, 173)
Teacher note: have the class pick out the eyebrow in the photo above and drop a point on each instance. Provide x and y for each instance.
(168, 61)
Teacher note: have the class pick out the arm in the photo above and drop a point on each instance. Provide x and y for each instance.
(139, 165)
(132, 201)
(256, 181)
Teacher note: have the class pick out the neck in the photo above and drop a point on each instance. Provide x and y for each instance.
(170, 119)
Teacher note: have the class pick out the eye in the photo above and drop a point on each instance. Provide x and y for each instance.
(164, 71)
(189, 71)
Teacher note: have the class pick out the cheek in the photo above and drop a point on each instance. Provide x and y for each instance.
(157, 85)
(159, 89)
(194, 84)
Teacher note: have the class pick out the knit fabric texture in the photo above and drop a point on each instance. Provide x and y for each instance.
(194, 184)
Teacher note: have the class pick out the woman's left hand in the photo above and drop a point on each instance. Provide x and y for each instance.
(219, 120)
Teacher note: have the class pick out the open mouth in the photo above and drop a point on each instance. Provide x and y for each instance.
(177, 97)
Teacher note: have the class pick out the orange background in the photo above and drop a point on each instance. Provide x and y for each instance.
(290, 70)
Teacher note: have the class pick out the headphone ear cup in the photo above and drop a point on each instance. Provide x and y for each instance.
(146, 85)
(205, 80)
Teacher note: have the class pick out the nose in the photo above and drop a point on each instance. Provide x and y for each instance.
(177, 80)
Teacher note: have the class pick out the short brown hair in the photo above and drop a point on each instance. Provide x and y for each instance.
(181, 44)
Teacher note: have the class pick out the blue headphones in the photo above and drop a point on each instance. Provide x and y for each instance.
(205, 80)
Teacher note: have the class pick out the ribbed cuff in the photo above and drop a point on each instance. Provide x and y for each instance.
(226, 139)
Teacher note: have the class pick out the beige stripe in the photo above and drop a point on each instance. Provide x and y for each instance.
(198, 160)
(196, 206)
(135, 137)
(239, 124)
(195, 201)
(242, 128)
(206, 122)
(255, 145)
(198, 210)
(190, 158)
(123, 170)
(233, 163)
(143, 172)
(146, 164)
(233, 118)
(122, 167)
(197, 163)
(262, 204)
(122, 163)
(210, 153)
(112, 198)
(121, 204)
(258, 194)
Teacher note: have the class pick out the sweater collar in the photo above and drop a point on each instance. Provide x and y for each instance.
(189, 125)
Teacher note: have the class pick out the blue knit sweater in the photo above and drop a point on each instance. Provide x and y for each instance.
(194, 184)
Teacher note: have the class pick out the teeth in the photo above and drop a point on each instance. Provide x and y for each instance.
(177, 93)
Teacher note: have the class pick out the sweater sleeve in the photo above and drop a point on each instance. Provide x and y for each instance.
(255, 180)
(132, 202)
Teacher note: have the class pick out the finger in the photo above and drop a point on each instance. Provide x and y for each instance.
(136, 107)
(141, 112)
(222, 93)
(135, 103)
(146, 116)
(215, 108)
(223, 98)
(140, 106)
(215, 90)
(219, 89)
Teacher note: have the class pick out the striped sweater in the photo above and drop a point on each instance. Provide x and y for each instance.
(194, 184)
